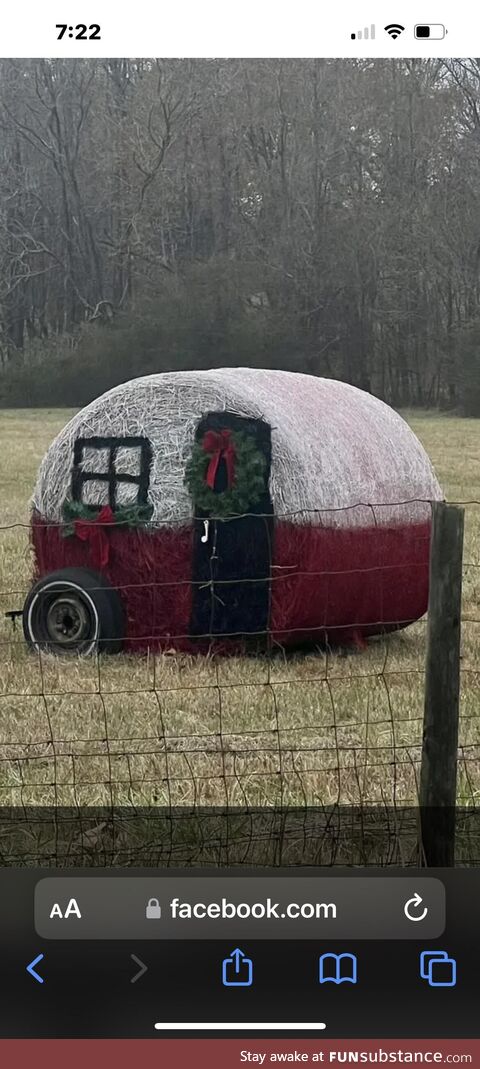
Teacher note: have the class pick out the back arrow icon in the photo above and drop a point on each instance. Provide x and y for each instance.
(143, 968)
(31, 969)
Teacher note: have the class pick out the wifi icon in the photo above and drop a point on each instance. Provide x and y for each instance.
(394, 30)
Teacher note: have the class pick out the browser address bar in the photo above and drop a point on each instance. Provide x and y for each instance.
(231, 907)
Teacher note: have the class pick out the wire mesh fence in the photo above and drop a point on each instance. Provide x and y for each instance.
(271, 755)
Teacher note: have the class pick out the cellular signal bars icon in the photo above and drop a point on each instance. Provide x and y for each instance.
(367, 34)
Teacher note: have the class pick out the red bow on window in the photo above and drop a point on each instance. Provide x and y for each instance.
(96, 534)
(219, 444)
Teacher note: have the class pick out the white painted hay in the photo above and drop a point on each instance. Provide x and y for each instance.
(333, 446)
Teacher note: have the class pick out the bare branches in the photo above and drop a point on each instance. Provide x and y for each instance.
(345, 192)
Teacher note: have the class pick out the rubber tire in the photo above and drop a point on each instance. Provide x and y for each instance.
(99, 596)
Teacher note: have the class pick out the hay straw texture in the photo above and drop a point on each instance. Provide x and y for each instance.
(333, 446)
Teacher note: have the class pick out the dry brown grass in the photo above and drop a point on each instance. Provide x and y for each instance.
(179, 730)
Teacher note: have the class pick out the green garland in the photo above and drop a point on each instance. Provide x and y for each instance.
(131, 516)
(248, 485)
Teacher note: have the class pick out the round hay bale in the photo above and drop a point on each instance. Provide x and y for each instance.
(241, 502)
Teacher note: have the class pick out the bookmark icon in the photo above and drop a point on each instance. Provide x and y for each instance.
(337, 969)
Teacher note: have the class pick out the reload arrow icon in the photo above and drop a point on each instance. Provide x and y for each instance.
(414, 903)
(143, 968)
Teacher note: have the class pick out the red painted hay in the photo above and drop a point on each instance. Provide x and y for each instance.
(330, 584)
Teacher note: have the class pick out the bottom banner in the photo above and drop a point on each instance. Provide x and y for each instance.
(234, 1053)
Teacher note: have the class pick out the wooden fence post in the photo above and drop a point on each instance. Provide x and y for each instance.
(438, 776)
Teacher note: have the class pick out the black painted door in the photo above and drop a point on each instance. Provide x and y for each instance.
(232, 556)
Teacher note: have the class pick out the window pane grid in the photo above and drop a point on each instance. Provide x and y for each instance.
(111, 476)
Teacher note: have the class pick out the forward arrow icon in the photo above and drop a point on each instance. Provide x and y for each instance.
(143, 968)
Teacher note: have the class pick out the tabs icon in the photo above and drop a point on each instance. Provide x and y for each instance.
(438, 969)
(337, 969)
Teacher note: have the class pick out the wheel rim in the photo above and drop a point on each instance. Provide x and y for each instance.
(63, 619)
(68, 621)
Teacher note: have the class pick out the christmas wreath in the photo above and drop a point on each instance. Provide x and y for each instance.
(245, 473)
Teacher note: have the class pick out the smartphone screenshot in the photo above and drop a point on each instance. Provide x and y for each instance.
(239, 535)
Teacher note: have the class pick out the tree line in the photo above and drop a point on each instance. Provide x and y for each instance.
(317, 215)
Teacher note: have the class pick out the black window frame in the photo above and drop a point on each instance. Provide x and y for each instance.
(111, 476)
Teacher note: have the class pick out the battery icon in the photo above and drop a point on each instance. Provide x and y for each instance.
(430, 31)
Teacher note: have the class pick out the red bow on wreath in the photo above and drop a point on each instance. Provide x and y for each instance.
(94, 532)
(219, 444)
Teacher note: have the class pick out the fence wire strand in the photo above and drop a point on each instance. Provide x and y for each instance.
(276, 756)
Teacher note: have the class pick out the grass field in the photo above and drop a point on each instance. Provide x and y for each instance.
(178, 730)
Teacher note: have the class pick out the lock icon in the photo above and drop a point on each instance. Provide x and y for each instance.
(153, 911)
